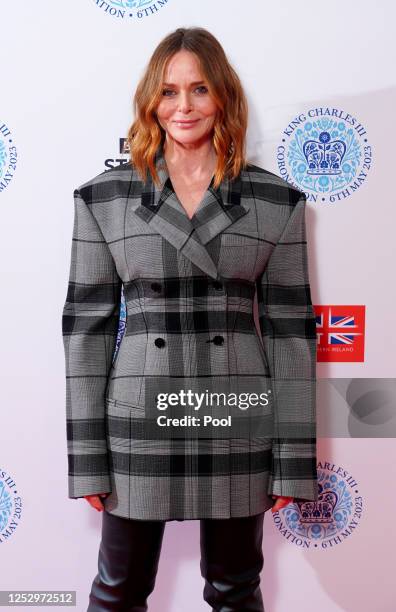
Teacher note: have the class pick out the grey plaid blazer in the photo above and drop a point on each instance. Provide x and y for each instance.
(186, 282)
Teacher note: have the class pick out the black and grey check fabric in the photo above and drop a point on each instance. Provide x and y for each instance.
(185, 283)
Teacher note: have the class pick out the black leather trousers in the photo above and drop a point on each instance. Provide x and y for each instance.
(129, 552)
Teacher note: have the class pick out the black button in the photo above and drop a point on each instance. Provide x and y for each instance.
(155, 286)
(217, 284)
(159, 342)
(218, 340)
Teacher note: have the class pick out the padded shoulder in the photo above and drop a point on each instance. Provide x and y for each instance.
(108, 183)
(267, 185)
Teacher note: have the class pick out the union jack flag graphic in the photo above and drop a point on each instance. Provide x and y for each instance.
(340, 332)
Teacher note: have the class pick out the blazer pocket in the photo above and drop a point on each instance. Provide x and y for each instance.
(115, 406)
(128, 406)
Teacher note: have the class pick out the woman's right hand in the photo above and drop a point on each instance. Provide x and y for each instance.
(95, 501)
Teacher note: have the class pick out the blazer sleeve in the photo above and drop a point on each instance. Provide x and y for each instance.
(89, 329)
(288, 327)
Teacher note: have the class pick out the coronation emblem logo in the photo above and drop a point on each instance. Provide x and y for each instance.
(8, 156)
(325, 152)
(10, 506)
(127, 9)
(331, 519)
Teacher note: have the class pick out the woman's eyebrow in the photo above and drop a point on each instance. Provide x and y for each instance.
(174, 84)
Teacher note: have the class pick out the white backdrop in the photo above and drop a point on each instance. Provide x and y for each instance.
(69, 71)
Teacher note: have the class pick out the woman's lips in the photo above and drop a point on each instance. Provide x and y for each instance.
(186, 124)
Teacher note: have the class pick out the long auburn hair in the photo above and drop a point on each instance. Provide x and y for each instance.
(145, 134)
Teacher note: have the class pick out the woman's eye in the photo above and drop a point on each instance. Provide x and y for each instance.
(200, 89)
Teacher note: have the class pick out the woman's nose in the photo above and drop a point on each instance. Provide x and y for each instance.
(184, 102)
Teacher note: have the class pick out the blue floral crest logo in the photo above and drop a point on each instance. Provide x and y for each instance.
(328, 521)
(10, 506)
(325, 153)
(125, 9)
(8, 156)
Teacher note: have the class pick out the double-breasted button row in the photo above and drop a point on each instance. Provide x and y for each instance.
(160, 342)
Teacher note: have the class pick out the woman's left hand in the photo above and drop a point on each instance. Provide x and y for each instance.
(281, 501)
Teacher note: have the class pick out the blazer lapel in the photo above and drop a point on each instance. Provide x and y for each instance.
(162, 210)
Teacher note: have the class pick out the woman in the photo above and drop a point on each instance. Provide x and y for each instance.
(191, 231)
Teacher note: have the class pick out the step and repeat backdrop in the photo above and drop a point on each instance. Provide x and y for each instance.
(321, 87)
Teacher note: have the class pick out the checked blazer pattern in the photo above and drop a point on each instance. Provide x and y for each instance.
(185, 283)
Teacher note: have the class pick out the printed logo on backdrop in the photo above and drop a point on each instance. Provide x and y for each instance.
(330, 520)
(340, 332)
(127, 9)
(325, 153)
(8, 156)
(10, 506)
(122, 157)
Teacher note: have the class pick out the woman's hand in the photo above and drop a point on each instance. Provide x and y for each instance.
(95, 501)
(281, 501)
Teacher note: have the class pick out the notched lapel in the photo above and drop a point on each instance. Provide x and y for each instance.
(162, 210)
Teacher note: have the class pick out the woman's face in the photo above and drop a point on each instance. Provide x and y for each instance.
(186, 110)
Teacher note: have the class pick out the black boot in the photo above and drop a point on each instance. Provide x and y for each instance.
(231, 562)
(128, 560)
